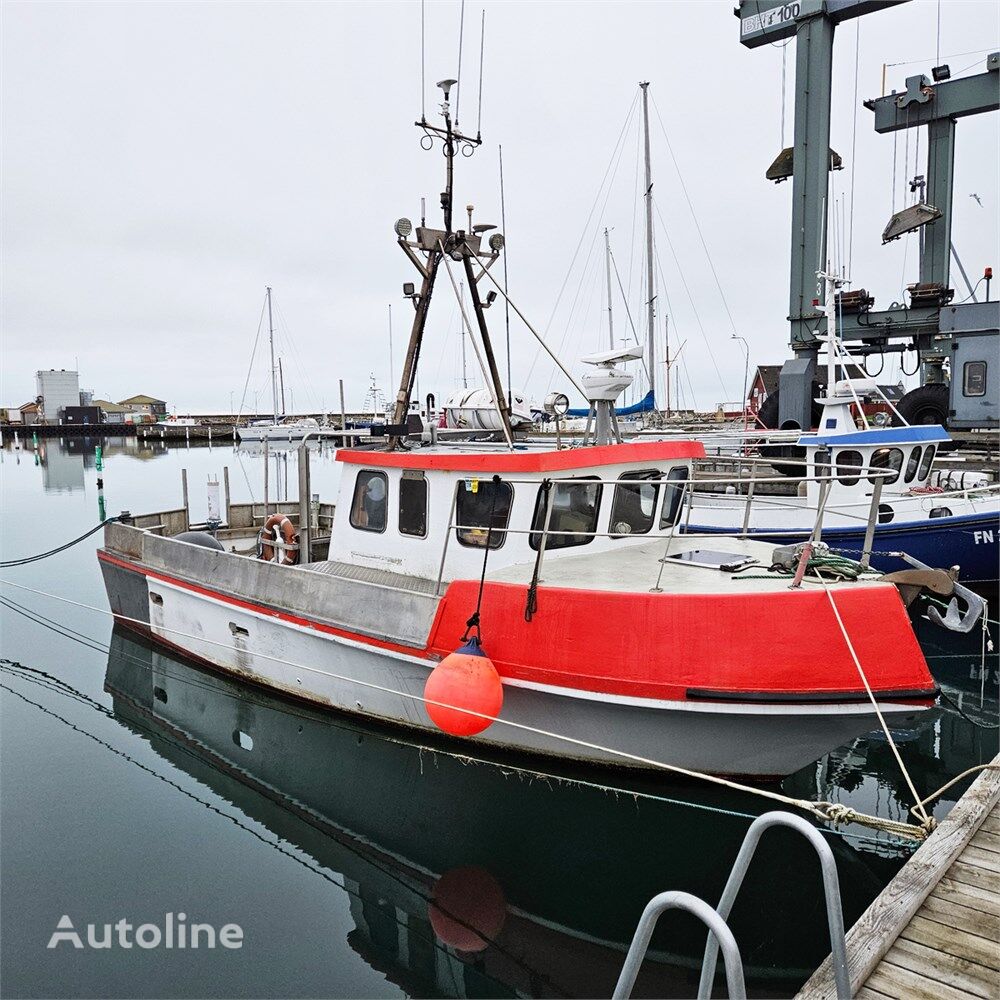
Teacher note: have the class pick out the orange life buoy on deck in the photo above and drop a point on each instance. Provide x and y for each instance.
(275, 524)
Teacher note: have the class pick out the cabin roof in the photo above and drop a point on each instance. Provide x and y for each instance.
(881, 436)
(548, 460)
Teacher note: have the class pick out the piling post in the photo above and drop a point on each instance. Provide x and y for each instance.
(184, 490)
(225, 487)
(305, 495)
(267, 509)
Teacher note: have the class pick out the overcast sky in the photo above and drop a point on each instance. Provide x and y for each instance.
(162, 163)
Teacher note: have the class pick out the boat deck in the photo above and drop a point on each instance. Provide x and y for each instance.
(934, 932)
(634, 567)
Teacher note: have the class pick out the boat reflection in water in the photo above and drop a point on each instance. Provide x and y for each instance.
(472, 878)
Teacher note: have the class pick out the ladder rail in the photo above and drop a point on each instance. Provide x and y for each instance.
(831, 892)
(718, 931)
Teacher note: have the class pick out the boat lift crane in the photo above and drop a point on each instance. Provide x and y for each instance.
(928, 322)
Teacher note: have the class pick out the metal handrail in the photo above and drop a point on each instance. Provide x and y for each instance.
(718, 930)
(831, 893)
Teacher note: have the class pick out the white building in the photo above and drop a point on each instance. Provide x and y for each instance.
(57, 390)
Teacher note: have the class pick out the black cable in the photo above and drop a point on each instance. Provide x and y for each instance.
(473, 622)
(6, 564)
(965, 715)
(531, 603)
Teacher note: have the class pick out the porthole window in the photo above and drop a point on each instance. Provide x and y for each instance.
(912, 464)
(849, 465)
(413, 504)
(885, 513)
(673, 493)
(925, 465)
(940, 512)
(634, 509)
(575, 506)
(371, 501)
(974, 378)
(888, 459)
(479, 502)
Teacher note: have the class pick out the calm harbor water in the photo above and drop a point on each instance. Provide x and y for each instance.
(357, 863)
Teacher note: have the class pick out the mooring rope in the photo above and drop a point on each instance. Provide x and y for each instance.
(826, 811)
(8, 563)
(927, 822)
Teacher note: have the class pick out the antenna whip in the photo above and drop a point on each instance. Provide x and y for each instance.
(479, 117)
(461, 35)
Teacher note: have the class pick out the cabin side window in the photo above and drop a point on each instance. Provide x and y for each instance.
(413, 504)
(925, 465)
(889, 459)
(575, 507)
(673, 493)
(912, 464)
(849, 465)
(974, 378)
(634, 509)
(480, 503)
(371, 501)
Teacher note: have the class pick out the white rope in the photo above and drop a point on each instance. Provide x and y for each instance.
(826, 811)
(918, 808)
(992, 766)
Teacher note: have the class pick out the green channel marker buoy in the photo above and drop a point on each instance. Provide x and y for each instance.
(99, 458)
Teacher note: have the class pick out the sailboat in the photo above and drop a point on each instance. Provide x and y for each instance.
(274, 430)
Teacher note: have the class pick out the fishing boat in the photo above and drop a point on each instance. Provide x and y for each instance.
(852, 461)
(613, 638)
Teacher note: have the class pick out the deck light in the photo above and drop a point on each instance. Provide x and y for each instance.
(403, 228)
(556, 404)
(496, 242)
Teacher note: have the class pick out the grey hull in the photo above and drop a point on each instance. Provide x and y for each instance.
(735, 739)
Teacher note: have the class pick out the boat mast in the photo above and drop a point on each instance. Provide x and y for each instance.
(651, 319)
(274, 372)
(607, 267)
(433, 247)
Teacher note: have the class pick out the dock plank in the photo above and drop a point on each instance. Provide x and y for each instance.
(896, 981)
(962, 917)
(960, 871)
(953, 942)
(953, 956)
(988, 860)
(986, 840)
(935, 965)
(969, 895)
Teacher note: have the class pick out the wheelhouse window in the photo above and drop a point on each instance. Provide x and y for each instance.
(634, 509)
(888, 459)
(673, 493)
(413, 504)
(480, 504)
(849, 465)
(925, 465)
(371, 501)
(974, 378)
(912, 464)
(575, 506)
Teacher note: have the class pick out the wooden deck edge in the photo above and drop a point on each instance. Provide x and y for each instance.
(878, 927)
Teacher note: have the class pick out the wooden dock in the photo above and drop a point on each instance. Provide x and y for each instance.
(934, 932)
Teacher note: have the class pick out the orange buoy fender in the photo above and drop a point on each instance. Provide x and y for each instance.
(467, 909)
(274, 524)
(464, 682)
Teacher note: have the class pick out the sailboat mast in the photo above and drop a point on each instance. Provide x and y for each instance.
(607, 267)
(274, 373)
(651, 320)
